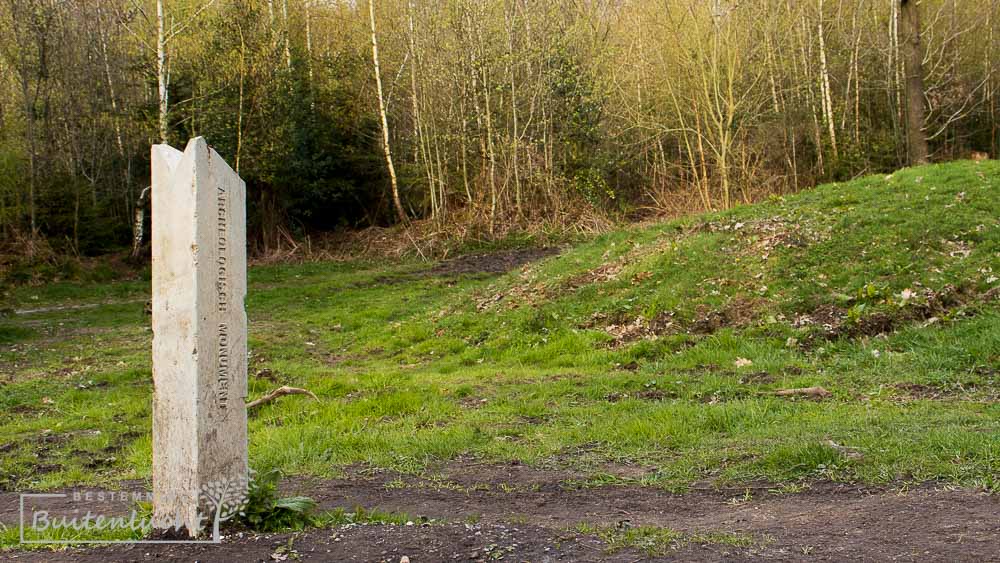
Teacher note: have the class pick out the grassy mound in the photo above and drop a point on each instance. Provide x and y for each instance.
(652, 355)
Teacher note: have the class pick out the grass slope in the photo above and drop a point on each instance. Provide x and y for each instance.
(656, 348)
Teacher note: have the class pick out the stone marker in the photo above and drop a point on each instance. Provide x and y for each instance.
(199, 332)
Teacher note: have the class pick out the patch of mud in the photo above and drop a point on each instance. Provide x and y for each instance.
(955, 391)
(825, 318)
(918, 391)
(77, 307)
(757, 377)
(627, 471)
(481, 512)
(828, 521)
(739, 312)
(601, 274)
(478, 265)
(925, 306)
(380, 543)
(654, 395)
(23, 409)
(491, 263)
(529, 290)
(625, 330)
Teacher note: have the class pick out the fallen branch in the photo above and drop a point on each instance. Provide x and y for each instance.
(415, 245)
(280, 392)
(815, 392)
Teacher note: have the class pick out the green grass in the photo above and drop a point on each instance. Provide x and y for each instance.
(657, 541)
(64, 536)
(414, 369)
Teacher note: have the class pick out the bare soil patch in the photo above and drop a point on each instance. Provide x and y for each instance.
(478, 265)
(740, 312)
(625, 330)
(383, 543)
(927, 306)
(955, 391)
(482, 512)
(491, 263)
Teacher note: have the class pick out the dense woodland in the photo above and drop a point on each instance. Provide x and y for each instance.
(490, 117)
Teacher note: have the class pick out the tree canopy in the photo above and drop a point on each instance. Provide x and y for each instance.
(496, 114)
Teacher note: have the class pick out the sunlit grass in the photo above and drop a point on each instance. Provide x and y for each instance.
(414, 369)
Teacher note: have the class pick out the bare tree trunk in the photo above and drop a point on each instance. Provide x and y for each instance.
(795, 164)
(137, 222)
(414, 105)
(853, 80)
(397, 204)
(769, 49)
(442, 181)
(111, 85)
(3, 196)
(464, 148)
(704, 182)
(991, 79)
(514, 139)
(486, 142)
(915, 110)
(855, 64)
(309, 54)
(805, 55)
(162, 76)
(285, 33)
(421, 150)
(479, 118)
(491, 152)
(113, 99)
(32, 150)
(546, 152)
(513, 110)
(895, 77)
(826, 98)
(76, 219)
(239, 109)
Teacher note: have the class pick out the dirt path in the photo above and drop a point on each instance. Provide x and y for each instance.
(484, 513)
(77, 307)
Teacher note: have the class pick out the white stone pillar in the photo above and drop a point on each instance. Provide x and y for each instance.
(199, 331)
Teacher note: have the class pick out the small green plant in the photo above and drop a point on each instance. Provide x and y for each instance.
(869, 292)
(265, 511)
(856, 313)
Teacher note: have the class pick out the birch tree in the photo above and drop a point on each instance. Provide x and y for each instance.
(397, 204)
